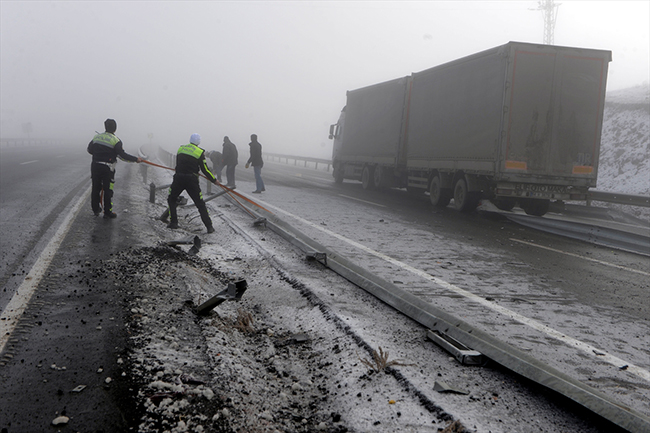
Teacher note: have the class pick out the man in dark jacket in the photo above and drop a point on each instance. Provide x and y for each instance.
(189, 159)
(105, 149)
(230, 157)
(257, 162)
(217, 163)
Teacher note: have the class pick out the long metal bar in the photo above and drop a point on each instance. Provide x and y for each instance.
(435, 318)
(618, 198)
(635, 239)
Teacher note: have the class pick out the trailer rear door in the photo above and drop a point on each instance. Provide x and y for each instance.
(555, 111)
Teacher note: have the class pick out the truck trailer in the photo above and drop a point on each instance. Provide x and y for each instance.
(519, 124)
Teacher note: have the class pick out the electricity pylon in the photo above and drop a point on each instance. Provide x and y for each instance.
(549, 9)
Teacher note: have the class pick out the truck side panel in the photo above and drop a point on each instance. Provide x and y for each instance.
(374, 122)
(456, 111)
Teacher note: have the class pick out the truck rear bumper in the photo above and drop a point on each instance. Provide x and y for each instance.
(540, 191)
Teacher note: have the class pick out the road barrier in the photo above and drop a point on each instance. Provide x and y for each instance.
(26, 142)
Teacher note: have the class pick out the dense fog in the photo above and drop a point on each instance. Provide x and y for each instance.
(279, 69)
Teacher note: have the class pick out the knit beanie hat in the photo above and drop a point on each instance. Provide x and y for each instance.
(110, 125)
(195, 139)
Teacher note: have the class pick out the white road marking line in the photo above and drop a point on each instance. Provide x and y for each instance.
(29, 162)
(570, 341)
(362, 201)
(16, 306)
(600, 262)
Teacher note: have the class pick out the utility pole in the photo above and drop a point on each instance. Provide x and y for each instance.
(549, 9)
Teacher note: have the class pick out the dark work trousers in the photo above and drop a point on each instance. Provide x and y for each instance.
(103, 179)
(190, 183)
(230, 174)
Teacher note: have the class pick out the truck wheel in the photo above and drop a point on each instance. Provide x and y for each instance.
(377, 175)
(339, 169)
(464, 200)
(368, 177)
(535, 207)
(504, 203)
(440, 197)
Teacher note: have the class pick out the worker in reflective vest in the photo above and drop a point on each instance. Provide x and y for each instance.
(105, 149)
(189, 160)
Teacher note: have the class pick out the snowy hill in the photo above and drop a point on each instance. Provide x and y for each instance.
(625, 146)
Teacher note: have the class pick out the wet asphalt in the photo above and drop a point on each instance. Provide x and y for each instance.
(65, 356)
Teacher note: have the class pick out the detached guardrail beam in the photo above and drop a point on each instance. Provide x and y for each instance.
(618, 198)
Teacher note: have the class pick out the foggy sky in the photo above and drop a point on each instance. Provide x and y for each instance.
(277, 69)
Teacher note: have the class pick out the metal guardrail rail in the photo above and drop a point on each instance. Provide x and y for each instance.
(295, 159)
(434, 318)
(618, 198)
(22, 142)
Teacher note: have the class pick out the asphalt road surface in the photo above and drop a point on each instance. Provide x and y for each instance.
(73, 329)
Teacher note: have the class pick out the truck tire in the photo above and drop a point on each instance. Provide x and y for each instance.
(535, 207)
(368, 177)
(440, 197)
(339, 170)
(464, 200)
(505, 203)
(377, 177)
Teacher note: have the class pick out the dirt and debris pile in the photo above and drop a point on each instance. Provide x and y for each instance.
(185, 384)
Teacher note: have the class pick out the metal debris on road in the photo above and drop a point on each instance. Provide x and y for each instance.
(442, 387)
(462, 353)
(194, 240)
(233, 292)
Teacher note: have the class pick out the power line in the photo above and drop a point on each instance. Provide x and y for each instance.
(549, 9)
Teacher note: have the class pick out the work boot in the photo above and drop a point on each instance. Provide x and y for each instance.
(172, 225)
(109, 215)
(210, 229)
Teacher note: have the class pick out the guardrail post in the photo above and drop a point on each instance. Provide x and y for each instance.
(152, 193)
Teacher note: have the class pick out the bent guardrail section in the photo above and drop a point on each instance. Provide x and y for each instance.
(434, 318)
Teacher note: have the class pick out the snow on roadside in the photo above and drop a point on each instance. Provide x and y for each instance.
(624, 164)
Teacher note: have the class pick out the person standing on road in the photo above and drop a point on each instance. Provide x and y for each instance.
(257, 162)
(189, 159)
(105, 149)
(217, 163)
(230, 160)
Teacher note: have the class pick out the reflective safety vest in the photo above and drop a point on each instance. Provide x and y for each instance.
(191, 150)
(106, 139)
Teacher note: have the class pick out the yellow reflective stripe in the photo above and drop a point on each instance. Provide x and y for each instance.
(106, 139)
(207, 169)
(191, 150)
